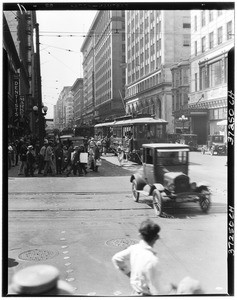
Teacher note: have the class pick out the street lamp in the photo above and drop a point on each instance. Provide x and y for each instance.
(183, 119)
(44, 110)
(41, 120)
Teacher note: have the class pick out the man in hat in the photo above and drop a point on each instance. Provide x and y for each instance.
(30, 158)
(49, 153)
(42, 156)
(141, 264)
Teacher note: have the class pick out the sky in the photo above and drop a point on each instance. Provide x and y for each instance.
(60, 56)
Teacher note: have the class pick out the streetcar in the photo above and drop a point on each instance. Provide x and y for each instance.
(85, 131)
(138, 130)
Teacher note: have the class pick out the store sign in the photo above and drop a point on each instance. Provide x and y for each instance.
(22, 106)
(16, 99)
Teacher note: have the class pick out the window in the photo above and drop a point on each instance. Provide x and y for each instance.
(203, 18)
(219, 35)
(196, 82)
(186, 40)
(215, 73)
(211, 40)
(195, 48)
(219, 13)
(204, 78)
(229, 30)
(171, 158)
(203, 44)
(210, 15)
(186, 25)
(149, 156)
(195, 23)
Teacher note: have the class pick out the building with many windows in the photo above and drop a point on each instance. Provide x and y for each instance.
(180, 93)
(63, 113)
(212, 36)
(78, 101)
(155, 40)
(20, 69)
(103, 67)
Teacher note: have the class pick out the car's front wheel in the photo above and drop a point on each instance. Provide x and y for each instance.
(135, 193)
(205, 200)
(157, 202)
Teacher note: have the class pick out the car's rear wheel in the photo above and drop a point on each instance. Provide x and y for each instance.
(205, 200)
(135, 193)
(157, 202)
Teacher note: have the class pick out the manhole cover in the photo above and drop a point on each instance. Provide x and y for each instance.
(121, 242)
(37, 255)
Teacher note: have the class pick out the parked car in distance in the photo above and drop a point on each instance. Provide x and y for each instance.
(215, 145)
(76, 140)
(190, 140)
(164, 176)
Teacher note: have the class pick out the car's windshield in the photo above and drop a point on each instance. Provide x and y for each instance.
(171, 158)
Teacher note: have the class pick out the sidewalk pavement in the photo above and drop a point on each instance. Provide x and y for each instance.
(111, 158)
(114, 160)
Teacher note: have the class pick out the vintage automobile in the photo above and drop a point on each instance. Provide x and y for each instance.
(164, 176)
(215, 145)
(189, 139)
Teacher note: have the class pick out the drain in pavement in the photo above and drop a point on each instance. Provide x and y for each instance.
(123, 242)
(37, 255)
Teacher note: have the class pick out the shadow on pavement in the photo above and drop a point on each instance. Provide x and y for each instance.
(186, 210)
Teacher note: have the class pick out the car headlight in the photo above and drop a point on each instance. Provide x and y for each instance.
(193, 185)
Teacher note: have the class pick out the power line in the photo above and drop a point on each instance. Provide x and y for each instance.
(69, 50)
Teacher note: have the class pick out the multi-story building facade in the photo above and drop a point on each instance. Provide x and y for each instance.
(155, 40)
(64, 109)
(103, 67)
(78, 102)
(21, 70)
(58, 114)
(212, 36)
(180, 93)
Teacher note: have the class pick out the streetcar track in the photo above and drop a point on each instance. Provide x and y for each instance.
(74, 193)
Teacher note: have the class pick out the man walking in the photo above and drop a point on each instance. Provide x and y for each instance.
(141, 264)
(49, 159)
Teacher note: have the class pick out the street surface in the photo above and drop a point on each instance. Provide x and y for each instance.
(78, 223)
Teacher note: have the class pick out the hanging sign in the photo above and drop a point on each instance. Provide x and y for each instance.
(22, 106)
(16, 98)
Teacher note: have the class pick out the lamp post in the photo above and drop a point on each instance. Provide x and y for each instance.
(40, 112)
(183, 119)
(41, 121)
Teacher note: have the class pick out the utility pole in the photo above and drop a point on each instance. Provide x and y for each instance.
(39, 94)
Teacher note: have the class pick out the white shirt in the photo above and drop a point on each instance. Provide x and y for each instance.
(142, 262)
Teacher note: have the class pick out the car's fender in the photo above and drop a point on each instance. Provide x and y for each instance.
(202, 184)
(140, 181)
(157, 186)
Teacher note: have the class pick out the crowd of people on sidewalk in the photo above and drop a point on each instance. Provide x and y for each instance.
(54, 158)
(58, 158)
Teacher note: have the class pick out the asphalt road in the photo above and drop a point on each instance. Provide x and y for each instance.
(78, 223)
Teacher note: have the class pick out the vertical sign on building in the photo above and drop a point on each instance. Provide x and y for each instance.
(16, 99)
(22, 107)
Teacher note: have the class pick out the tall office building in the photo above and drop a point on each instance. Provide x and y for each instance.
(103, 67)
(155, 40)
(212, 36)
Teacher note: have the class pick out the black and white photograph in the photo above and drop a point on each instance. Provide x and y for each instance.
(118, 149)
